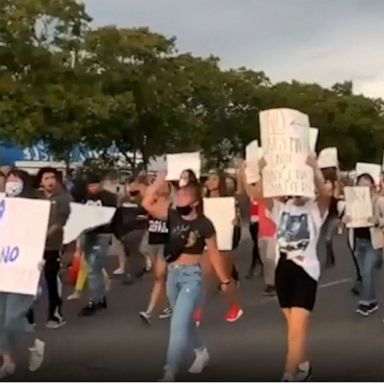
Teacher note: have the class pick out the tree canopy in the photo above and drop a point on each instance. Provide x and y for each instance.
(68, 84)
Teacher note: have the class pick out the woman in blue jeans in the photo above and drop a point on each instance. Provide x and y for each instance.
(368, 253)
(189, 233)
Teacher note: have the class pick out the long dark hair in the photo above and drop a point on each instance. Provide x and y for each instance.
(223, 190)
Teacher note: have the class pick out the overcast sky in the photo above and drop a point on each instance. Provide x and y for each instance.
(323, 41)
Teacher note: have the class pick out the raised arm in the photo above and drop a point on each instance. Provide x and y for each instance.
(157, 209)
(323, 199)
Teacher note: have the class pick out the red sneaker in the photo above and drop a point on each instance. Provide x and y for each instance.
(234, 314)
(197, 316)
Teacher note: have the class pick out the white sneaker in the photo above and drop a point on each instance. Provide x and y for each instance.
(118, 271)
(7, 370)
(201, 361)
(75, 296)
(168, 377)
(304, 372)
(36, 355)
(55, 324)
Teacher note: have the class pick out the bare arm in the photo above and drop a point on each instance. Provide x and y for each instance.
(157, 209)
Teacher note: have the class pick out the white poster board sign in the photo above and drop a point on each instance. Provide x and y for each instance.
(313, 135)
(253, 153)
(23, 228)
(179, 162)
(222, 212)
(285, 142)
(358, 206)
(328, 158)
(84, 218)
(374, 170)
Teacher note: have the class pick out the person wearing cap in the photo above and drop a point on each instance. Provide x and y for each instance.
(96, 244)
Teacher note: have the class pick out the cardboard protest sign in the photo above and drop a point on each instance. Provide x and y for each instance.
(313, 135)
(84, 218)
(374, 170)
(328, 158)
(253, 153)
(179, 162)
(358, 206)
(23, 228)
(285, 143)
(222, 212)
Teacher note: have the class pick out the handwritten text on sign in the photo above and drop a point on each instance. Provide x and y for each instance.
(285, 141)
(359, 206)
(22, 243)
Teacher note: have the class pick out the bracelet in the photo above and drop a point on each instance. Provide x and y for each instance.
(225, 282)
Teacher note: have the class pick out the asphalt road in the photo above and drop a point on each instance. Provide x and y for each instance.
(115, 346)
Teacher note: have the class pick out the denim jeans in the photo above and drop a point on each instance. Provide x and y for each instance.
(13, 319)
(369, 262)
(185, 291)
(95, 252)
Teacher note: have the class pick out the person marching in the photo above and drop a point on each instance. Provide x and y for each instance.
(59, 213)
(266, 232)
(369, 254)
(96, 244)
(298, 266)
(189, 233)
(16, 308)
(157, 237)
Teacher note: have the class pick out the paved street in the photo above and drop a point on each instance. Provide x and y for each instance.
(116, 346)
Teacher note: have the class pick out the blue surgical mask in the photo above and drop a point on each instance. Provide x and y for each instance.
(14, 188)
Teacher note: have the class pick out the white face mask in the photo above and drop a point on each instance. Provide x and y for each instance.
(14, 188)
(183, 183)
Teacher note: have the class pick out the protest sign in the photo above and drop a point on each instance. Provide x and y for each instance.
(313, 135)
(374, 170)
(358, 206)
(328, 158)
(285, 142)
(23, 228)
(253, 153)
(179, 162)
(222, 212)
(84, 218)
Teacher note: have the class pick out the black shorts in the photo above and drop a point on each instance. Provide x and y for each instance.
(294, 287)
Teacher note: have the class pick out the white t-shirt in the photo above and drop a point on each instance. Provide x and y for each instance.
(298, 234)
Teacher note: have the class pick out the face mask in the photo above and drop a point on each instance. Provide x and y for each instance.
(14, 188)
(134, 193)
(184, 211)
(183, 183)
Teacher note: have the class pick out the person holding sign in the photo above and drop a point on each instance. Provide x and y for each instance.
(16, 308)
(189, 233)
(368, 240)
(299, 222)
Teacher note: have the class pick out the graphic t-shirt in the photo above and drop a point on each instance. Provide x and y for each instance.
(102, 198)
(157, 231)
(298, 231)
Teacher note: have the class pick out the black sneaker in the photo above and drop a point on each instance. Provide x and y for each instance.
(102, 304)
(269, 291)
(89, 310)
(366, 310)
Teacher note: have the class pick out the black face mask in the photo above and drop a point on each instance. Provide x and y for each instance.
(134, 193)
(184, 211)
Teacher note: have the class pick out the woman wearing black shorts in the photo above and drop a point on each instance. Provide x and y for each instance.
(299, 221)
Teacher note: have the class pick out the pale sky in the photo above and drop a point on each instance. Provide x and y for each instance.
(323, 41)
